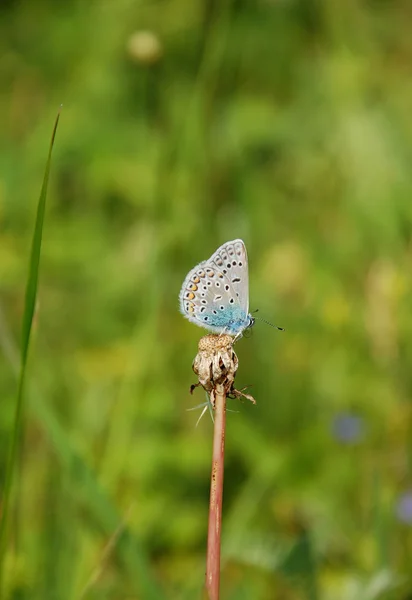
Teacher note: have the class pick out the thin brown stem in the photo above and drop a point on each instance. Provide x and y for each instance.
(215, 365)
(216, 496)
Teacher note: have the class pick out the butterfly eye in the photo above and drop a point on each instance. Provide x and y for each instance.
(228, 265)
(240, 264)
(222, 308)
(231, 301)
(234, 263)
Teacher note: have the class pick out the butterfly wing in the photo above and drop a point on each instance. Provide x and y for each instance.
(231, 259)
(214, 294)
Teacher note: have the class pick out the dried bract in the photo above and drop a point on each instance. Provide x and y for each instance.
(215, 365)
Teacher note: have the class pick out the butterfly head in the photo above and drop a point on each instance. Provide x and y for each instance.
(251, 321)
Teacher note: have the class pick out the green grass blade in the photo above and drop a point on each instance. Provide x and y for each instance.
(300, 566)
(103, 513)
(29, 307)
(33, 276)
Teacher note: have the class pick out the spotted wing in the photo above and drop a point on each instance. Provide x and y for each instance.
(213, 294)
(231, 259)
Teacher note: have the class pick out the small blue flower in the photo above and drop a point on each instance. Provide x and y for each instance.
(403, 507)
(347, 428)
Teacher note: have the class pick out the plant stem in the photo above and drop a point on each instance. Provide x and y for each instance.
(216, 496)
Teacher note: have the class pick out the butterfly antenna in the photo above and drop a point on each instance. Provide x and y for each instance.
(268, 322)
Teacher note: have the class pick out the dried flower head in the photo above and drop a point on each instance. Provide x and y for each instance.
(215, 365)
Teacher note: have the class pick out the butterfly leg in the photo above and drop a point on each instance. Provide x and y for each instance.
(237, 337)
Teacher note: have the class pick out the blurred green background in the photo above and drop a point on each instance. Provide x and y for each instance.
(188, 123)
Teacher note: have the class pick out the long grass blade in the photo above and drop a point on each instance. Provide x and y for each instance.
(103, 514)
(102, 511)
(29, 308)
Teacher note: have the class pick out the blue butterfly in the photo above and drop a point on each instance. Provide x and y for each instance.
(215, 294)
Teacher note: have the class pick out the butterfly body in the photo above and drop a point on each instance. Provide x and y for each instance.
(215, 293)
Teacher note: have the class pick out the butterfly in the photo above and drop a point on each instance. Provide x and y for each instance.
(215, 293)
